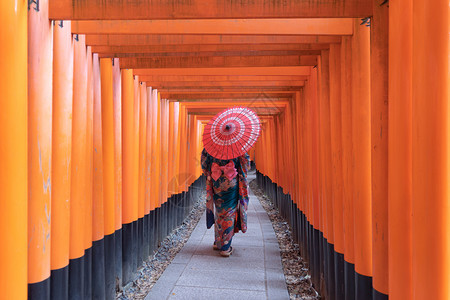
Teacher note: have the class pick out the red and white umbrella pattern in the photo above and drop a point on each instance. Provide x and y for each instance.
(231, 133)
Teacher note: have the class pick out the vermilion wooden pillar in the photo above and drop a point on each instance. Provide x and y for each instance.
(143, 233)
(430, 150)
(61, 153)
(129, 211)
(347, 169)
(109, 166)
(78, 185)
(336, 158)
(98, 219)
(40, 79)
(325, 148)
(117, 110)
(89, 175)
(13, 149)
(138, 222)
(400, 151)
(379, 38)
(362, 195)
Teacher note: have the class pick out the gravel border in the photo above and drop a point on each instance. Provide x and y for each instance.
(153, 268)
(296, 271)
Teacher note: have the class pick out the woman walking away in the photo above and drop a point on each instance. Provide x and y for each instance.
(227, 190)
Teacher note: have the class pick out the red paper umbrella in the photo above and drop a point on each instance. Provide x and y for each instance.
(231, 133)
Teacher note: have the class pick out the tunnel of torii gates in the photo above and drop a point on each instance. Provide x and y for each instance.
(101, 114)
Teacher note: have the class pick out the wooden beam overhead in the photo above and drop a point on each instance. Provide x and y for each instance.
(192, 39)
(165, 49)
(201, 78)
(206, 9)
(214, 53)
(254, 96)
(217, 61)
(254, 89)
(257, 71)
(219, 84)
(337, 26)
(210, 101)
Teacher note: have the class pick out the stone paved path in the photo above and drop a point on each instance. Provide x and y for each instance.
(254, 271)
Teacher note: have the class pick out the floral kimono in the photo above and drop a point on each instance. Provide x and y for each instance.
(226, 189)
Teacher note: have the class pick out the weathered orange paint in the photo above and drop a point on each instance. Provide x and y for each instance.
(109, 161)
(154, 173)
(379, 39)
(88, 221)
(156, 40)
(142, 147)
(217, 61)
(128, 211)
(117, 111)
(347, 149)
(13, 149)
(218, 84)
(316, 26)
(137, 208)
(325, 146)
(336, 147)
(361, 157)
(205, 49)
(400, 151)
(255, 71)
(78, 185)
(148, 152)
(430, 150)
(40, 74)
(98, 184)
(61, 144)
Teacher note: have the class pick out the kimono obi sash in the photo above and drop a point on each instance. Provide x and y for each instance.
(229, 170)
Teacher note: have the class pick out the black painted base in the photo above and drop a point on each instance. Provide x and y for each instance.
(379, 296)
(88, 273)
(127, 253)
(39, 290)
(363, 287)
(118, 259)
(339, 280)
(110, 254)
(331, 274)
(59, 284)
(145, 238)
(349, 280)
(98, 269)
(76, 278)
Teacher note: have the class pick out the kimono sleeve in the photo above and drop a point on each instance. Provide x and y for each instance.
(244, 161)
(206, 163)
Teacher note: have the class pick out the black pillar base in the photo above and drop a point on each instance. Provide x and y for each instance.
(110, 255)
(39, 290)
(59, 284)
(98, 269)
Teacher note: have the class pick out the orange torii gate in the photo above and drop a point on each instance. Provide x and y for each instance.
(101, 133)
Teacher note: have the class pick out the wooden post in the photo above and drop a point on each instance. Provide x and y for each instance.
(400, 151)
(336, 169)
(13, 150)
(362, 195)
(430, 150)
(379, 39)
(62, 154)
(347, 167)
(117, 111)
(128, 215)
(78, 185)
(109, 185)
(40, 75)
(98, 212)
